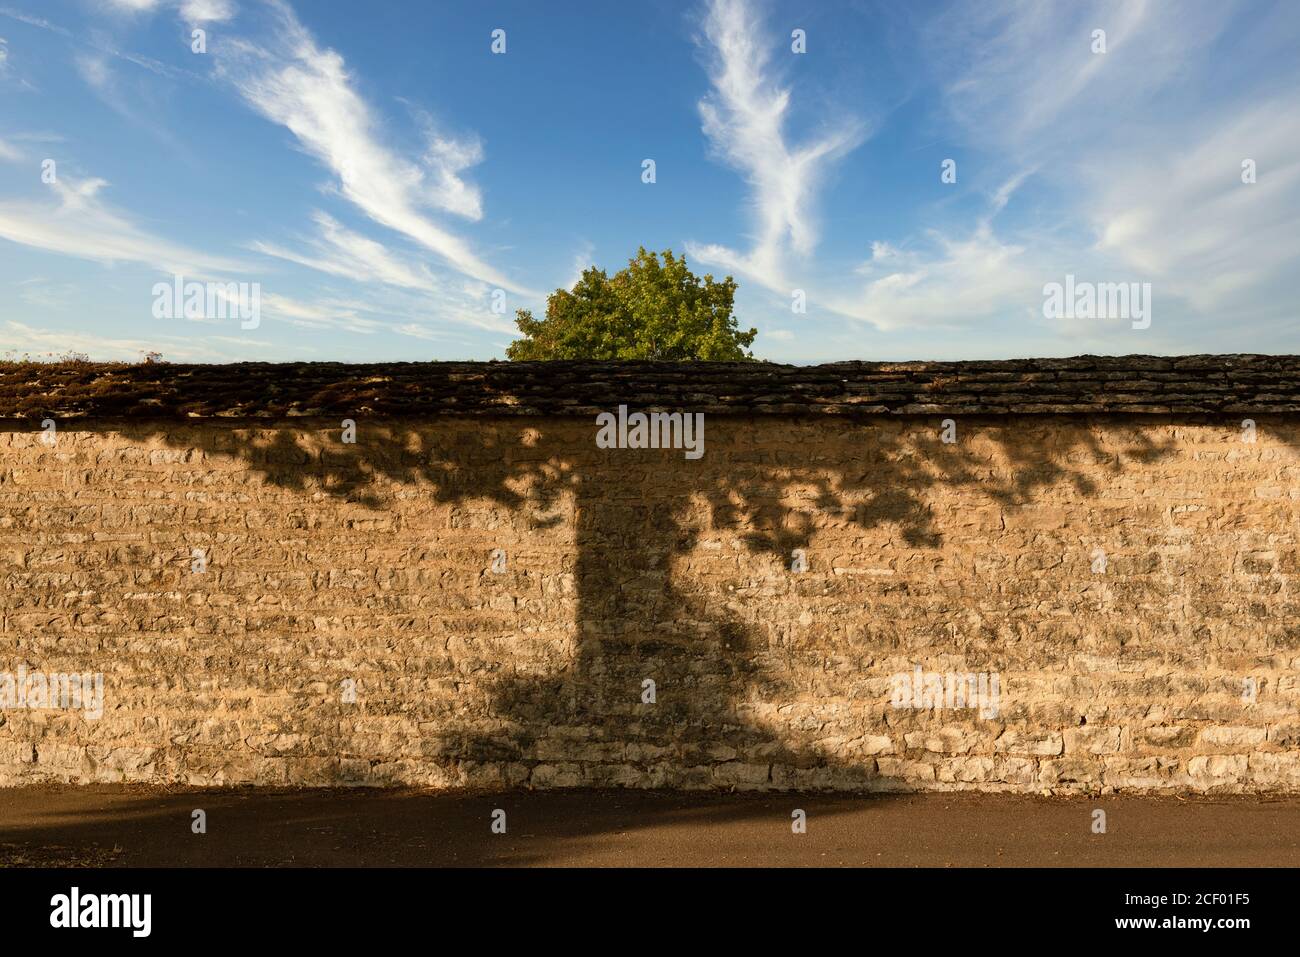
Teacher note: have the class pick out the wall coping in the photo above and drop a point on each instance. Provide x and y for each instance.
(1083, 384)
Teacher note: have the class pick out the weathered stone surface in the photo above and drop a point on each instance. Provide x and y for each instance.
(1093, 739)
(1218, 768)
(1230, 384)
(1234, 739)
(1169, 662)
(1039, 743)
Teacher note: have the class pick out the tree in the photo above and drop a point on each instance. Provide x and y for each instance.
(650, 310)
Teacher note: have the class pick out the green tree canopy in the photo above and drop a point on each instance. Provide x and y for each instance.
(650, 310)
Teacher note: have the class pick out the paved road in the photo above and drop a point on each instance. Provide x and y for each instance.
(131, 826)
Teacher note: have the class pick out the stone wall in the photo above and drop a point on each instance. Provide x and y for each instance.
(498, 591)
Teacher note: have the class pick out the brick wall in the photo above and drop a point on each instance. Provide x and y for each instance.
(1128, 578)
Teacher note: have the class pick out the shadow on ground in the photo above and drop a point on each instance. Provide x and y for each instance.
(103, 825)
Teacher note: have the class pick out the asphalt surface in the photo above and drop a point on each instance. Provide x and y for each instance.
(133, 826)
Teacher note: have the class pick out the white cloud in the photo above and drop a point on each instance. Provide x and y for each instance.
(415, 331)
(101, 48)
(954, 281)
(45, 294)
(744, 117)
(342, 252)
(319, 314)
(134, 6)
(1139, 150)
(949, 278)
(292, 81)
(412, 290)
(95, 71)
(32, 21)
(1190, 224)
(404, 313)
(582, 261)
(204, 11)
(1013, 69)
(79, 224)
(881, 252)
(445, 159)
(192, 11)
(126, 98)
(10, 153)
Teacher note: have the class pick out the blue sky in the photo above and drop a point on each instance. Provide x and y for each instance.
(379, 172)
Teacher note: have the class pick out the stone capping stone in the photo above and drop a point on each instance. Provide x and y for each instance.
(1227, 384)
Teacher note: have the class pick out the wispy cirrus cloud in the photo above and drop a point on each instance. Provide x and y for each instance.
(744, 118)
(96, 47)
(955, 280)
(205, 11)
(992, 61)
(948, 279)
(1191, 224)
(7, 73)
(192, 11)
(46, 294)
(342, 252)
(96, 72)
(445, 158)
(399, 312)
(292, 81)
(582, 261)
(132, 6)
(1159, 191)
(320, 313)
(1137, 191)
(416, 291)
(12, 152)
(33, 21)
(288, 78)
(79, 223)
(129, 96)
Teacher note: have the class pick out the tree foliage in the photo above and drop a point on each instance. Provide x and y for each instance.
(653, 309)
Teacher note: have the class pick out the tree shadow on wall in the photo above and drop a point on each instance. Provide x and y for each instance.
(720, 672)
